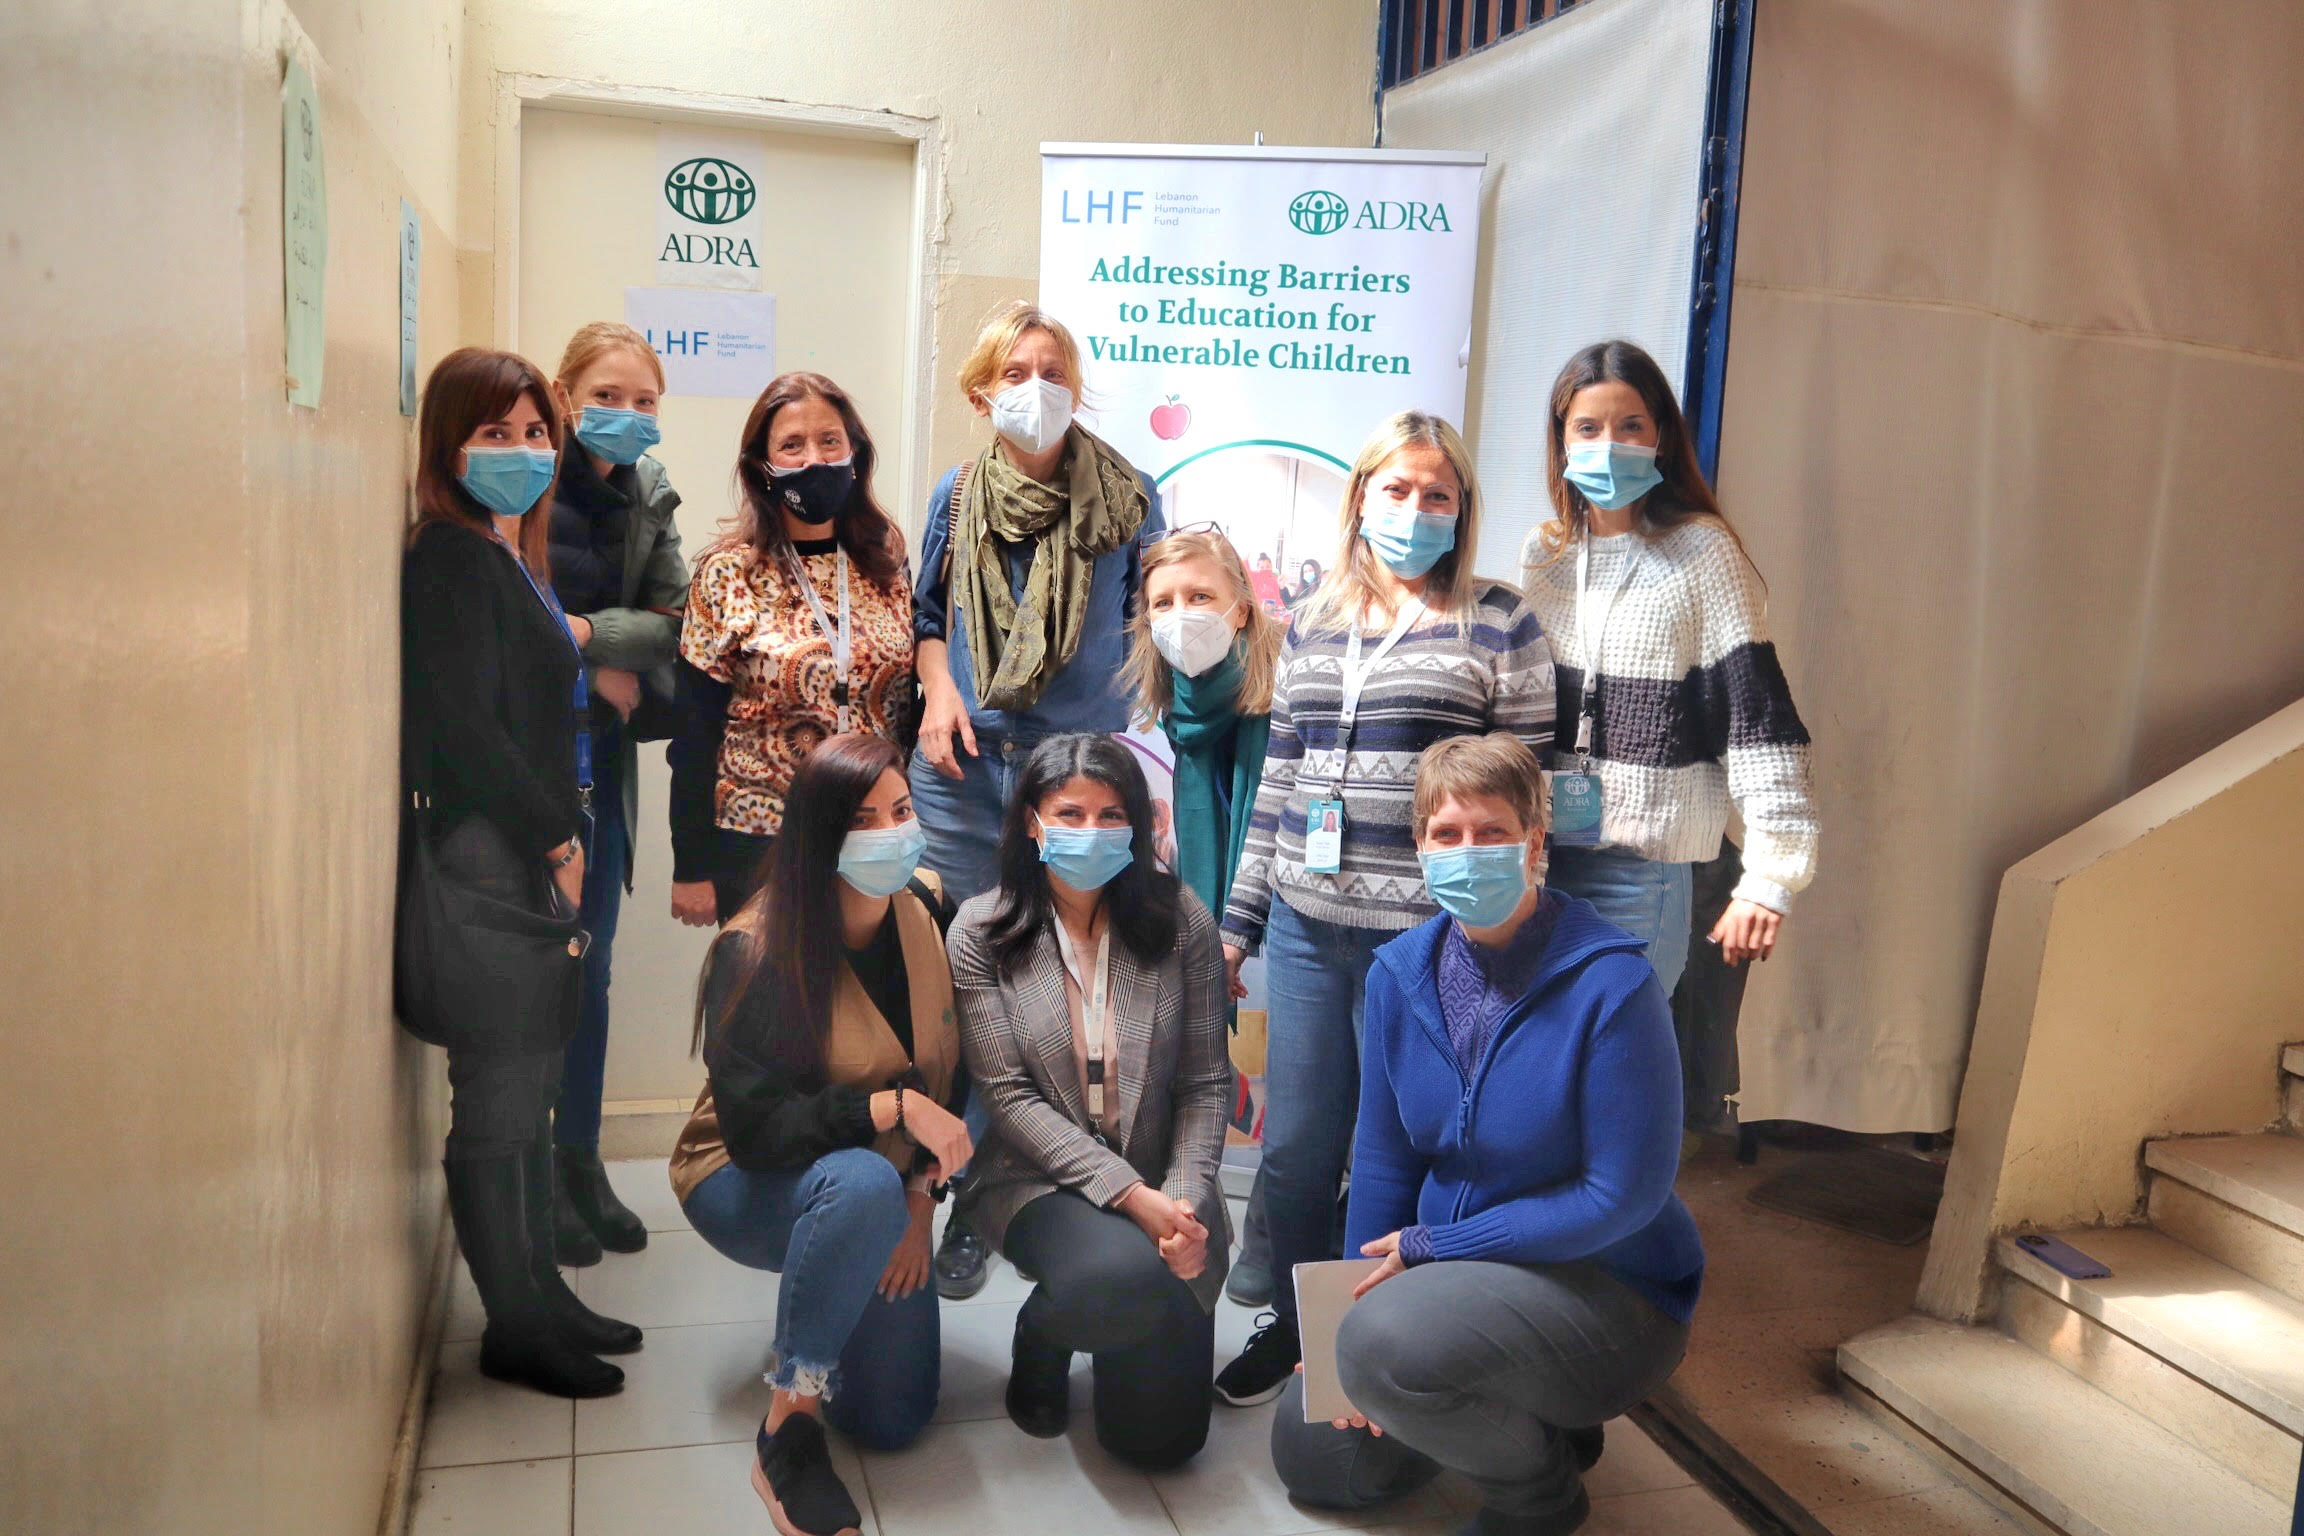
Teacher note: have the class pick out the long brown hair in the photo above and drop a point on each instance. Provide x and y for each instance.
(1146, 673)
(1684, 496)
(470, 387)
(787, 937)
(864, 529)
(1351, 583)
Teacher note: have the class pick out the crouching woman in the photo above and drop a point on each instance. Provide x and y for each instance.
(825, 1019)
(1519, 1131)
(1092, 1009)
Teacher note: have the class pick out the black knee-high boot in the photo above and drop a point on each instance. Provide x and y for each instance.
(487, 1197)
(577, 1323)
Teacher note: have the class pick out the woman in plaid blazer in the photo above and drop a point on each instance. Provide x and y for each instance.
(1091, 995)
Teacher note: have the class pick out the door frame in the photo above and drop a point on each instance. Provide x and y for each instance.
(516, 93)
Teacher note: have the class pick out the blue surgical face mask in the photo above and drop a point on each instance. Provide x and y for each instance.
(1409, 541)
(507, 481)
(1612, 475)
(881, 861)
(1480, 884)
(1086, 858)
(620, 437)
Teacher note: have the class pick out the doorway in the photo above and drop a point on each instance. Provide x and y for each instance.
(839, 257)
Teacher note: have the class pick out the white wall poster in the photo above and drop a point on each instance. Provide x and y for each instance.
(710, 343)
(708, 218)
(1247, 315)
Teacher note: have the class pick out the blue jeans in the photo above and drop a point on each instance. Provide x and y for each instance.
(1646, 899)
(576, 1121)
(962, 816)
(829, 1230)
(1315, 979)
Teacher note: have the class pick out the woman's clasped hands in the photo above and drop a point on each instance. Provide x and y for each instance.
(1182, 1240)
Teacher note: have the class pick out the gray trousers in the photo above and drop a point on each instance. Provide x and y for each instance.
(1477, 1367)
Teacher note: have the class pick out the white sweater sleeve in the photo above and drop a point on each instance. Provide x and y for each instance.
(1753, 725)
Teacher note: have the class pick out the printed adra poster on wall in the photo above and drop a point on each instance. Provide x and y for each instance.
(708, 218)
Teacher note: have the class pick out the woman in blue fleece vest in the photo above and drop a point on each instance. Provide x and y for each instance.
(1519, 1131)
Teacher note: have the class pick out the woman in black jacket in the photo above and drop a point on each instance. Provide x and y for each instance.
(828, 1120)
(492, 694)
(617, 569)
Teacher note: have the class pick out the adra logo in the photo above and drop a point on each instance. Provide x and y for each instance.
(1319, 213)
(710, 191)
(1324, 213)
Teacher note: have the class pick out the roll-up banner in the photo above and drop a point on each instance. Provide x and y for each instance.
(1247, 315)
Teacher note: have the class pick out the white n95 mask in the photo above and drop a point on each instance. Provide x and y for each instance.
(1193, 640)
(1033, 414)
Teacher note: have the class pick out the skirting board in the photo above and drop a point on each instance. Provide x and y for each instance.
(642, 1127)
(400, 1480)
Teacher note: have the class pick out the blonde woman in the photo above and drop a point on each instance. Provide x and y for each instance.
(619, 573)
(1030, 566)
(1651, 600)
(1202, 655)
(1401, 647)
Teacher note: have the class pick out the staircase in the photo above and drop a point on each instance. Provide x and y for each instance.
(2164, 1400)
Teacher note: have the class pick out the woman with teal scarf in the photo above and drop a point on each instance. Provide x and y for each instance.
(1200, 664)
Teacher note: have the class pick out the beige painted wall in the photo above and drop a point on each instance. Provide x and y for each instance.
(220, 1210)
(2143, 977)
(2011, 427)
(588, 184)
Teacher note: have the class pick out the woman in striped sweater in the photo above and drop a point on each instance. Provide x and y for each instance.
(1402, 646)
(1673, 706)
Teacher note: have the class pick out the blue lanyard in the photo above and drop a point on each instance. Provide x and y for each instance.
(583, 701)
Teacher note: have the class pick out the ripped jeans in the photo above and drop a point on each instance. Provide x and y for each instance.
(828, 1229)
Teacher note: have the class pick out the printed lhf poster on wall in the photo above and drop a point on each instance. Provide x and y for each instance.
(710, 343)
(709, 221)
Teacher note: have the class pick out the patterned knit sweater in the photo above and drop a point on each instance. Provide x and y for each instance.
(1436, 683)
(1692, 711)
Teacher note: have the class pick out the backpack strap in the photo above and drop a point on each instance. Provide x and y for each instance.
(959, 484)
(931, 896)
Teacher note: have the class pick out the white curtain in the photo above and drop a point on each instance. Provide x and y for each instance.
(1594, 127)
(2014, 427)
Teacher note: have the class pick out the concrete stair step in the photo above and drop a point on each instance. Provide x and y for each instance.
(2292, 1059)
(2261, 1174)
(2196, 1347)
(2042, 1437)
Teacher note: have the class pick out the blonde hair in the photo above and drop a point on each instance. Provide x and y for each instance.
(1350, 585)
(596, 341)
(1497, 766)
(1147, 672)
(1003, 329)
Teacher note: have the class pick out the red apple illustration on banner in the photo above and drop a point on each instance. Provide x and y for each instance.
(1171, 421)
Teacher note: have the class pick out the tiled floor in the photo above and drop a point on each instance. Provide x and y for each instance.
(1780, 1296)
(671, 1454)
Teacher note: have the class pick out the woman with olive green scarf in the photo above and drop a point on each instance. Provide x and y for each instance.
(1030, 566)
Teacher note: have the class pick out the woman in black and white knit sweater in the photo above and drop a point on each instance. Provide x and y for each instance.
(1401, 646)
(1639, 579)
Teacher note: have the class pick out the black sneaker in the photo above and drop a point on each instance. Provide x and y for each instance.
(962, 1262)
(792, 1472)
(1263, 1368)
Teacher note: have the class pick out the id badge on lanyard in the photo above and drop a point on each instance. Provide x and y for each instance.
(1095, 1003)
(839, 638)
(583, 700)
(1324, 817)
(1576, 794)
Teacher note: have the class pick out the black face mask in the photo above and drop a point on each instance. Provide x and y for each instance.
(817, 494)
